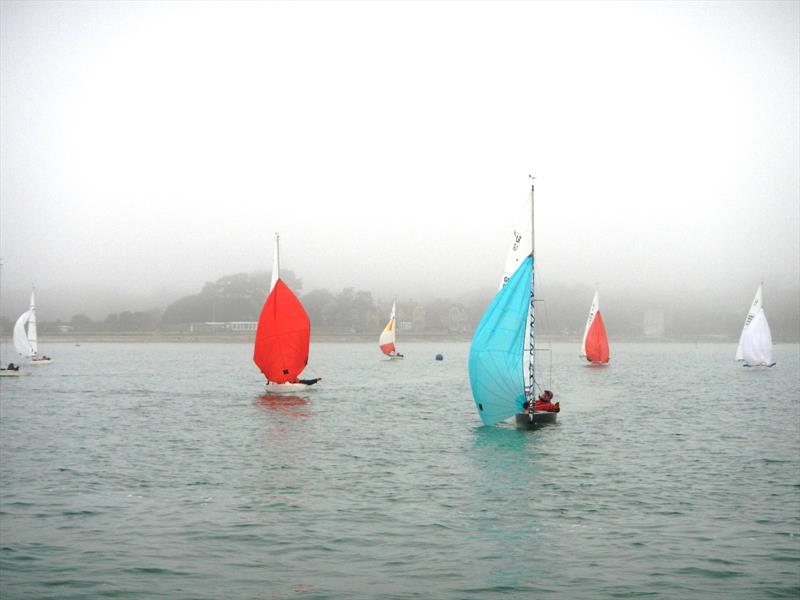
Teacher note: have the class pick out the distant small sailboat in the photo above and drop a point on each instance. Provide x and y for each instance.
(755, 342)
(389, 335)
(283, 336)
(501, 364)
(26, 337)
(594, 346)
(11, 371)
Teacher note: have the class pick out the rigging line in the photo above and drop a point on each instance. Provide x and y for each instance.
(546, 320)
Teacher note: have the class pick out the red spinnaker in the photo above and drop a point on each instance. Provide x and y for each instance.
(597, 341)
(283, 336)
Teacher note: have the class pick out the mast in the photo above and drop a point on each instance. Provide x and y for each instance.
(276, 263)
(532, 310)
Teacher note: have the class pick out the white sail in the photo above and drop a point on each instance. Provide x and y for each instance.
(276, 264)
(32, 335)
(25, 337)
(754, 308)
(521, 247)
(757, 342)
(21, 342)
(521, 241)
(592, 313)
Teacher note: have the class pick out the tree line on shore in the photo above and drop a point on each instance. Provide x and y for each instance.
(240, 297)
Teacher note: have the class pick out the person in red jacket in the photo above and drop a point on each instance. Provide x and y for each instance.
(544, 403)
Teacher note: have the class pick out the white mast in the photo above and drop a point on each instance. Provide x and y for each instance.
(531, 350)
(276, 263)
(32, 333)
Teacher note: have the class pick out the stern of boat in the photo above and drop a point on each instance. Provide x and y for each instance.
(535, 419)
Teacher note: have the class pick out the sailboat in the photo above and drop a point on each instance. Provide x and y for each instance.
(283, 336)
(26, 338)
(11, 370)
(594, 346)
(501, 366)
(388, 336)
(755, 342)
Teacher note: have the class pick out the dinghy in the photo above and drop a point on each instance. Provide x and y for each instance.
(26, 337)
(594, 346)
(15, 372)
(283, 336)
(388, 337)
(502, 369)
(755, 342)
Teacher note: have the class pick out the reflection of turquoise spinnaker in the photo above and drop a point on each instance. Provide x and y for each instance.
(495, 357)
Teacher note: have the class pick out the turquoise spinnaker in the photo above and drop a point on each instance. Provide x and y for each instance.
(495, 356)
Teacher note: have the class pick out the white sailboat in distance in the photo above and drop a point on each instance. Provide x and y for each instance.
(26, 337)
(755, 342)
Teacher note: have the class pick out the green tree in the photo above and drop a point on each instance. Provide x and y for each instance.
(320, 306)
(81, 322)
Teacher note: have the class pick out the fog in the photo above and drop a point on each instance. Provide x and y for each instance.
(146, 148)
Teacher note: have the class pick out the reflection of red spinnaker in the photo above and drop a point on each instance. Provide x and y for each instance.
(288, 405)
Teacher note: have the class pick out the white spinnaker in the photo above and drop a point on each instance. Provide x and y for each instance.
(592, 313)
(21, 342)
(276, 264)
(521, 241)
(521, 246)
(754, 308)
(388, 334)
(757, 341)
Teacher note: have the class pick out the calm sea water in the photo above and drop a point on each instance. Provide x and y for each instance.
(159, 470)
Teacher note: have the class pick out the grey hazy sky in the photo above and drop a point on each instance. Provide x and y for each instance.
(148, 146)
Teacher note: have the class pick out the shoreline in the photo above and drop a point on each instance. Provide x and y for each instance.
(189, 338)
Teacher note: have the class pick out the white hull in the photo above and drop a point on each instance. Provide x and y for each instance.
(40, 361)
(286, 388)
(7, 373)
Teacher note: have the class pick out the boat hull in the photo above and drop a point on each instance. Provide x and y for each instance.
(286, 388)
(40, 361)
(535, 419)
(7, 373)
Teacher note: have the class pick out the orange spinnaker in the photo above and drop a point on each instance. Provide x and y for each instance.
(283, 336)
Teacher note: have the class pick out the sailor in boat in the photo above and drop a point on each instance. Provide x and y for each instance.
(12, 367)
(543, 403)
(306, 381)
